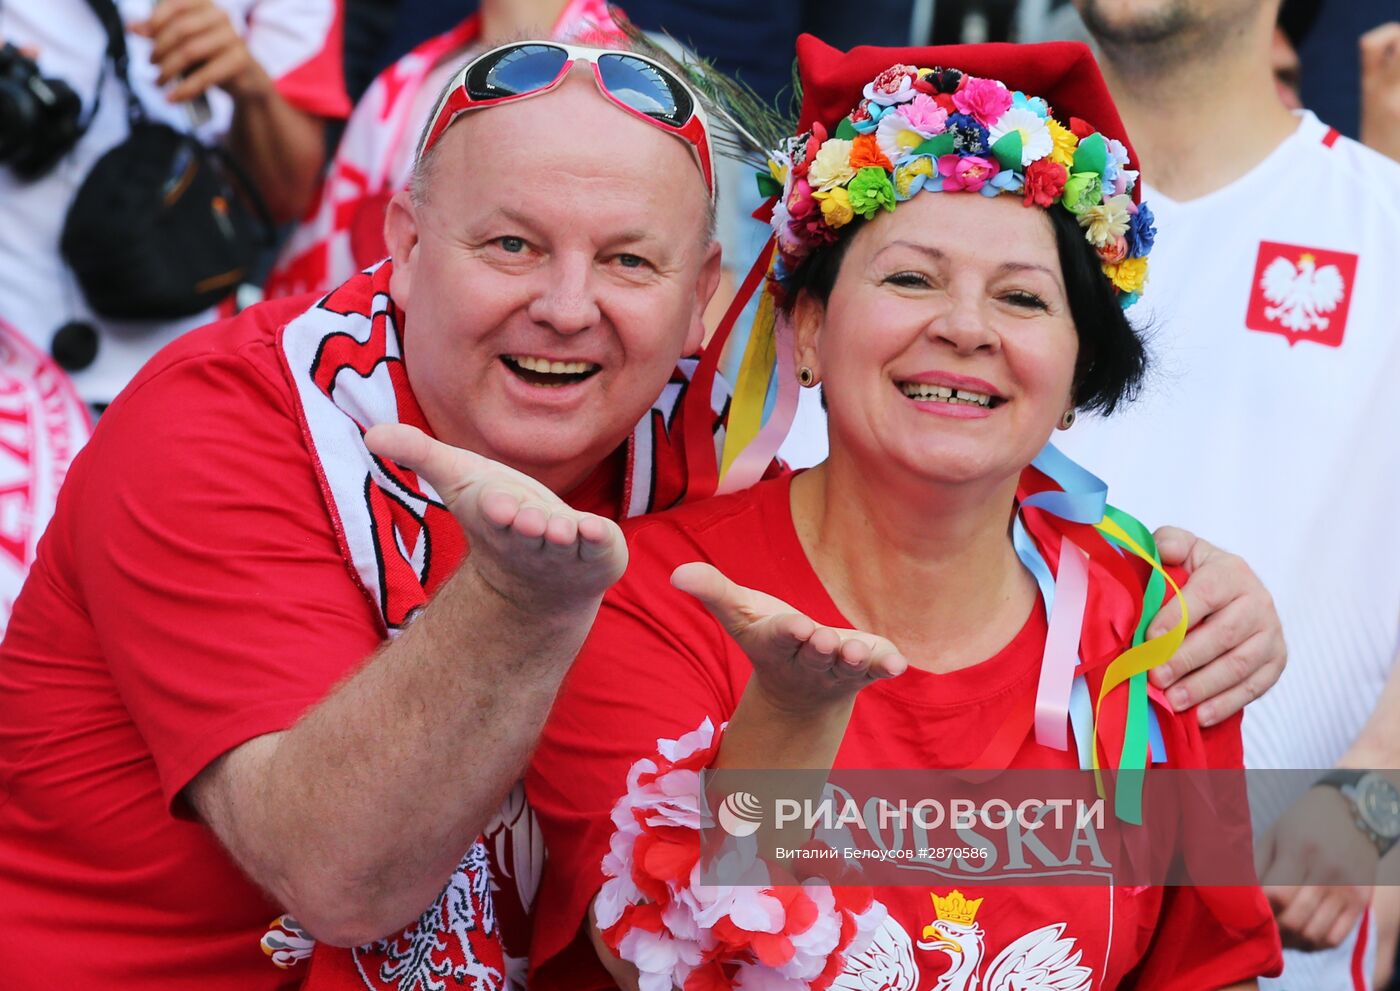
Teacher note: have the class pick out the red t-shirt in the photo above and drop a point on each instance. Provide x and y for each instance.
(657, 664)
(189, 595)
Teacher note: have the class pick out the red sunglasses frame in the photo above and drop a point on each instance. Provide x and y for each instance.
(694, 132)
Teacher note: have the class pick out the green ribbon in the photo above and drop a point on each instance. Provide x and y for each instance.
(1136, 747)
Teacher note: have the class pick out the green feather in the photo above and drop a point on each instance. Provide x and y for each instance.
(744, 126)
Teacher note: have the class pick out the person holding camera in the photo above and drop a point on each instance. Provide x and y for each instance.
(146, 148)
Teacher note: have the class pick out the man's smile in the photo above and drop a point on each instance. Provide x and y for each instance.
(549, 373)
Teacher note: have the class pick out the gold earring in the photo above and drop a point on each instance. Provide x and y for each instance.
(1067, 420)
(805, 376)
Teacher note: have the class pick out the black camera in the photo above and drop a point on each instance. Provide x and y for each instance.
(39, 117)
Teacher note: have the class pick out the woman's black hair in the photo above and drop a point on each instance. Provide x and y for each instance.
(1112, 358)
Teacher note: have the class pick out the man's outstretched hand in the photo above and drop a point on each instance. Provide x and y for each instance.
(526, 542)
(1234, 651)
(801, 665)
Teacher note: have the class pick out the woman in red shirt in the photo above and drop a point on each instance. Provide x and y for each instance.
(952, 334)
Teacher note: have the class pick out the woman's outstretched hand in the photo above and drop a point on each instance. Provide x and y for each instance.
(800, 665)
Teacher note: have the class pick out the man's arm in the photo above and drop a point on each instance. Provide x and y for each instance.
(1319, 914)
(195, 47)
(355, 817)
(1378, 745)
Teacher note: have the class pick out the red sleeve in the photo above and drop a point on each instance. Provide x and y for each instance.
(299, 44)
(1210, 937)
(654, 667)
(210, 569)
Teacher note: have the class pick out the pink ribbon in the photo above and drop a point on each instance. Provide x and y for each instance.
(1061, 649)
(754, 460)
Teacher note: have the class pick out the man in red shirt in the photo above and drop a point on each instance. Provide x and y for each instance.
(225, 692)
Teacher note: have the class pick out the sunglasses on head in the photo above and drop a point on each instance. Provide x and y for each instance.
(641, 86)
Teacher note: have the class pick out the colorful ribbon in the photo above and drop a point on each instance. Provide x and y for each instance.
(1082, 499)
(1061, 648)
(711, 455)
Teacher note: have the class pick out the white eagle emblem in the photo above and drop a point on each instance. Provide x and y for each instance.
(1042, 960)
(1301, 295)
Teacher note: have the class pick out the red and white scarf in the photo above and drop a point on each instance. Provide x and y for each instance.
(344, 359)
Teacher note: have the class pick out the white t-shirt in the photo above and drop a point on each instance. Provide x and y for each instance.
(1280, 442)
(295, 41)
(1270, 425)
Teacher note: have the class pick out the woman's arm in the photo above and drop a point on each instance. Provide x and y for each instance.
(795, 708)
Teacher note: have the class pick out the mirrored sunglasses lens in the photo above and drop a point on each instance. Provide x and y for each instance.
(522, 69)
(644, 87)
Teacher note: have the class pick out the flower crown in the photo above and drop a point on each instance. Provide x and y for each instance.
(943, 130)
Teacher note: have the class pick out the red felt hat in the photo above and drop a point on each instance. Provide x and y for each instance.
(1062, 73)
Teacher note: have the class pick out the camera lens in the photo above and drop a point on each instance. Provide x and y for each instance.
(17, 113)
(38, 116)
(74, 345)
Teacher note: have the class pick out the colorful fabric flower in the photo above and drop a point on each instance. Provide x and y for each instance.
(1045, 182)
(976, 135)
(1105, 222)
(871, 191)
(680, 932)
(1034, 104)
(966, 172)
(1117, 160)
(799, 202)
(1005, 181)
(897, 138)
(1082, 190)
(832, 165)
(946, 80)
(944, 102)
(924, 114)
(803, 148)
(985, 99)
(969, 136)
(1035, 135)
(813, 228)
(910, 177)
(1064, 142)
(836, 206)
(1129, 275)
(866, 153)
(1113, 252)
(1141, 233)
(789, 240)
(892, 86)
